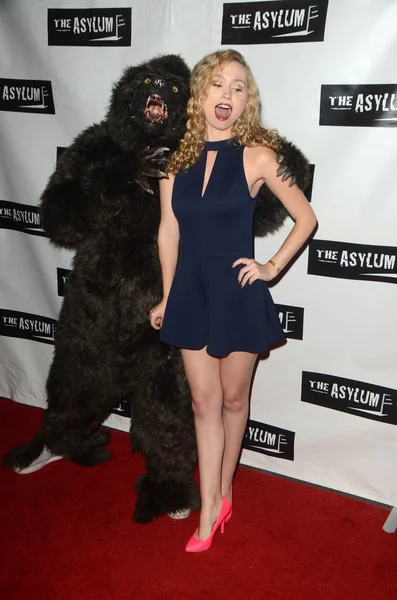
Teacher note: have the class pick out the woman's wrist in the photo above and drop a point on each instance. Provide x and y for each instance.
(274, 265)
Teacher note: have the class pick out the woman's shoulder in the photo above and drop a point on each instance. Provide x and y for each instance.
(261, 152)
(260, 155)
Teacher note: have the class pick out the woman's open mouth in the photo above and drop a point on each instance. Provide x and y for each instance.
(155, 109)
(223, 111)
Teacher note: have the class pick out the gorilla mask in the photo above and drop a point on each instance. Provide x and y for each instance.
(149, 102)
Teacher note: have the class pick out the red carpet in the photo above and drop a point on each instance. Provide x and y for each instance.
(67, 534)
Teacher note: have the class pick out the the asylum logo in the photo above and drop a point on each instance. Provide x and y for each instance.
(62, 278)
(352, 261)
(89, 27)
(358, 398)
(21, 217)
(369, 105)
(278, 22)
(291, 319)
(27, 326)
(269, 440)
(26, 95)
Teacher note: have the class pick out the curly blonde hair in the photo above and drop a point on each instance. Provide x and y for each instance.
(247, 129)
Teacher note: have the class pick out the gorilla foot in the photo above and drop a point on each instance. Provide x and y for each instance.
(46, 457)
(29, 457)
(159, 497)
(177, 515)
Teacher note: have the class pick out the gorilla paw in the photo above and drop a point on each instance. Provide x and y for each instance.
(22, 456)
(160, 497)
(154, 165)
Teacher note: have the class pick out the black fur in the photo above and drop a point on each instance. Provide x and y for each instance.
(105, 349)
(270, 213)
(102, 202)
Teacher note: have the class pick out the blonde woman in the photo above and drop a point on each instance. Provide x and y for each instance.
(216, 306)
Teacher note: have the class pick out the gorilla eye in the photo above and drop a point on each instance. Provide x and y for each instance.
(175, 89)
(147, 80)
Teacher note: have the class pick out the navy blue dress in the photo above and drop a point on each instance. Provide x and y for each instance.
(207, 306)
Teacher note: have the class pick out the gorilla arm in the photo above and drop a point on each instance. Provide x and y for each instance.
(270, 213)
(69, 205)
(91, 181)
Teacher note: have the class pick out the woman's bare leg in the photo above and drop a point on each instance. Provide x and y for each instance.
(236, 375)
(203, 374)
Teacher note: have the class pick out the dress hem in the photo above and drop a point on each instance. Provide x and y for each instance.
(268, 347)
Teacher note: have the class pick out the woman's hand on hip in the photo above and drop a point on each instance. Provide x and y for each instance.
(253, 271)
(156, 315)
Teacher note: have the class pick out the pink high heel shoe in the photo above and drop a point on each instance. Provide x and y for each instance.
(229, 516)
(196, 545)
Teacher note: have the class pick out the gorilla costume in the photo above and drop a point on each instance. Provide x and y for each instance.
(102, 202)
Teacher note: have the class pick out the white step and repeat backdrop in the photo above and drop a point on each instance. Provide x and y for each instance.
(324, 406)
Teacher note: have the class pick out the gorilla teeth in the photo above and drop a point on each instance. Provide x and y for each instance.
(155, 116)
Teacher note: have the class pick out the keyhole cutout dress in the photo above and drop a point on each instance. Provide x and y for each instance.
(207, 306)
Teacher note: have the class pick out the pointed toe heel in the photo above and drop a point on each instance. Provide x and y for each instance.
(196, 545)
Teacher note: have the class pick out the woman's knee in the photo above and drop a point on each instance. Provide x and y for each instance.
(235, 400)
(206, 402)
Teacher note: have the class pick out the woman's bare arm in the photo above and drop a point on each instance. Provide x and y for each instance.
(261, 167)
(168, 235)
(264, 168)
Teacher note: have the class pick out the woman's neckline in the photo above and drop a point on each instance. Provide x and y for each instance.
(230, 143)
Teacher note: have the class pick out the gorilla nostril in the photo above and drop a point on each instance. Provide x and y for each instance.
(159, 82)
